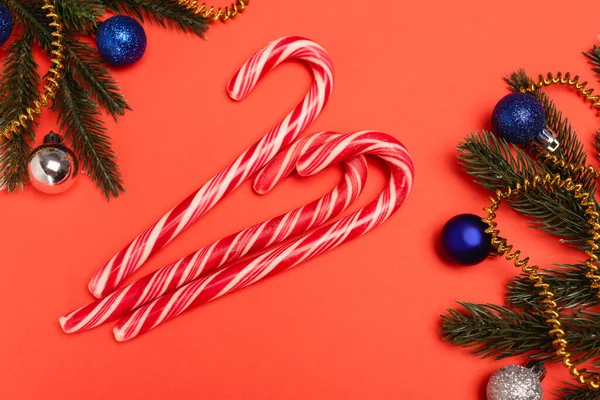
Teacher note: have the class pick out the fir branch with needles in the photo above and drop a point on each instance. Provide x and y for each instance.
(80, 16)
(492, 331)
(520, 329)
(593, 57)
(94, 77)
(79, 120)
(572, 392)
(88, 89)
(167, 14)
(32, 18)
(569, 284)
(496, 165)
(19, 88)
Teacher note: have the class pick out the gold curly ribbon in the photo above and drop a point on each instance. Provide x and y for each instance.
(547, 301)
(214, 14)
(550, 79)
(52, 81)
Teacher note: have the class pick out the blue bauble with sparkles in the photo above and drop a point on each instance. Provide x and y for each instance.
(6, 24)
(121, 40)
(519, 118)
(464, 240)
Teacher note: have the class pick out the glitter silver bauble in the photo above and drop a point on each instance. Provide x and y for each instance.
(52, 166)
(515, 382)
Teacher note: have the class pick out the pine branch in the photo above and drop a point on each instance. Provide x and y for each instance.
(33, 19)
(572, 392)
(499, 332)
(89, 70)
(571, 149)
(80, 16)
(19, 88)
(93, 75)
(167, 14)
(593, 57)
(571, 288)
(496, 165)
(79, 118)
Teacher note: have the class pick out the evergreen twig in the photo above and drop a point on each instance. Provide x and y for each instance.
(80, 16)
(496, 165)
(33, 19)
(93, 76)
(593, 56)
(19, 88)
(571, 149)
(167, 14)
(572, 392)
(495, 331)
(79, 120)
(569, 284)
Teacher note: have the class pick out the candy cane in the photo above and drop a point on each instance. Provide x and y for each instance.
(231, 248)
(218, 283)
(198, 203)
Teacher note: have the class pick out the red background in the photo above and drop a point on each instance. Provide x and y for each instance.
(361, 322)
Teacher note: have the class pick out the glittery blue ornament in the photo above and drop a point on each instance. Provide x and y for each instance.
(464, 240)
(6, 24)
(121, 40)
(519, 118)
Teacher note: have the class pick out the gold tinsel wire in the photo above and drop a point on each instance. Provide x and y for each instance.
(52, 81)
(565, 79)
(546, 294)
(586, 201)
(213, 13)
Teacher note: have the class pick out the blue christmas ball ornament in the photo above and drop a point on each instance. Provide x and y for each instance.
(519, 118)
(6, 24)
(121, 40)
(464, 240)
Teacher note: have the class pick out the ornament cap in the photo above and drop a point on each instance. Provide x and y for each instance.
(537, 367)
(52, 138)
(547, 140)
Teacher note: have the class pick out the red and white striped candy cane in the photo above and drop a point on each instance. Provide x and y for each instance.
(231, 248)
(198, 203)
(218, 283)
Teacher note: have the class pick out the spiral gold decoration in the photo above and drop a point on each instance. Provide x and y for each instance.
(213, 13)
(565, 79)
(546, 294)
(52, 81)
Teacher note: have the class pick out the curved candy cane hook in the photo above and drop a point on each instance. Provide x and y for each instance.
(236, 246)
(218, 283)
(133, 256)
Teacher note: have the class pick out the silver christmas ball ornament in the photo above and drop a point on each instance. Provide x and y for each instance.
(515, 382)
(53, 167)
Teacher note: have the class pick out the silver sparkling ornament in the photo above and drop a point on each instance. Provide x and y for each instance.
(53, 167)
(515, 382)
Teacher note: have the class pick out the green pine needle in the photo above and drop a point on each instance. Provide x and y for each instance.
(499, 332)
(80, 16)
(80, 121)
(572, 392)
(496, 165)
(593, 57)
(569, 284)
(571, 149)
(167, 14)
(490, 330)
(19, 88)
(93, 75)
(29, 14)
